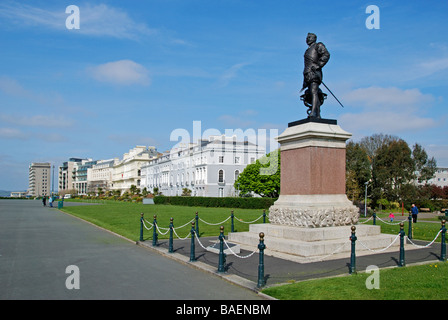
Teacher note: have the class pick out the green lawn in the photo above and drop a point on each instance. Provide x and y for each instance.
(424, 282)
(421, 230)
(124, 218)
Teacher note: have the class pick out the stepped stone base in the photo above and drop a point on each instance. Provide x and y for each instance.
(313, 242)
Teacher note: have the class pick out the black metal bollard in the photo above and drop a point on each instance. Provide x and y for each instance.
(170, 242)
(374, 218)
(264, 216)
(410, 226)
(261, 246)
(222, 255)
(401, 262)
(443, 247)
(141, 227)
(197, 224)
(192, 247)
(154, 232)
(231, 219)
(353, 239)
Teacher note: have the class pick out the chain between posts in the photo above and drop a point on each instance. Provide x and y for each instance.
(261, 281)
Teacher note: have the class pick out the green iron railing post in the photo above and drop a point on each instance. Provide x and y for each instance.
(374, 218)
(353, 239)
(170, 243)
(141, 227)
(231, 219)
(154, 232)
(197, 224)
(401, 262)
(222, 256)
(261, 246)
(410, 226)
(264, 216)
(192, 247)
(443, 248)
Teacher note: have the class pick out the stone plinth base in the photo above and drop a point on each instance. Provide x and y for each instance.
(309, 244)
(312, 176)
(313, 211)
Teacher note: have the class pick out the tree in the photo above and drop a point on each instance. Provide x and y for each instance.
(261, 177)
(358, 170)
(374, 143)
(133, 189)
(445, 192)
(436, 192)
(392, 169)
(426, 168)
(186, 192)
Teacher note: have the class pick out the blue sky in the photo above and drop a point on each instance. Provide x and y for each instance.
(137, 70)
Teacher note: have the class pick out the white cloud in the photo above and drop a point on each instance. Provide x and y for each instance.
(385, 98)
(387, 122)
(12, 87)
(123, 72)
(26, 15)
(102, 20)
(54, 100)
(388, 110)
(51, 120)
(440, 153)
(230, 73)
(12, 133)
(95, 20)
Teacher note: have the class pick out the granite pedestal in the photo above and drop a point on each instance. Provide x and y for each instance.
(313, 216)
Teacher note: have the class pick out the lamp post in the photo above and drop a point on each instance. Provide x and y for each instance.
(365, 199)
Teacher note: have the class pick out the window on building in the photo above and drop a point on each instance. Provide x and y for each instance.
(221, 159)
(221, 175)
(237, 160)
(237, 173)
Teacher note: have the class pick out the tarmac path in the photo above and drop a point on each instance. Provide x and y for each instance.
(38, 243)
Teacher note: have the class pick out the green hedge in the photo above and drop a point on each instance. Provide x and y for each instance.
(243, 203)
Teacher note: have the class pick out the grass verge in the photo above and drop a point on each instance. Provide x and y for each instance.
(423, 282)
(124, 218)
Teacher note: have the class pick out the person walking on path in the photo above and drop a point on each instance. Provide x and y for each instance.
(50, 201)
(44, 201)
(414, 212)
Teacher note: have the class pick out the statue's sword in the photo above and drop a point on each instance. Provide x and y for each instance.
(332, 94)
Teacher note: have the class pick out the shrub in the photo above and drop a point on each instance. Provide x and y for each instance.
(228, 202)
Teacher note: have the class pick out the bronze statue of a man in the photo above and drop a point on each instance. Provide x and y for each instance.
(316, 57)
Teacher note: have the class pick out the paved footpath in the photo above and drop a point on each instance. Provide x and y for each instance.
(38, 243)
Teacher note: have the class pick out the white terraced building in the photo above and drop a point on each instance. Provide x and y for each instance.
(208, 168)
(440, 177)
(127, 172)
